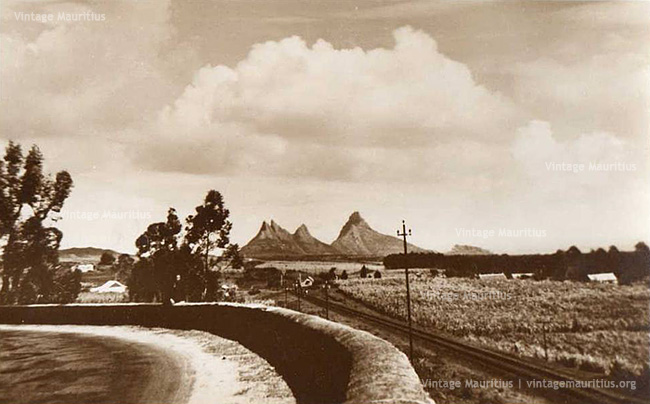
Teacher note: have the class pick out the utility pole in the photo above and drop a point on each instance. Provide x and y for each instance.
(299, 293)
(404, 234)
(327, 300)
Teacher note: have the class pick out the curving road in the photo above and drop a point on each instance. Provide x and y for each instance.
(39, 367)
(130, 365)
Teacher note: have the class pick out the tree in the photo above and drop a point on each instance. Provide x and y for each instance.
(332, 274)
(106, 258)
(377, 274)
(192, 284)
(642, 249)
(141, 284)
(123, 267)
(159, 245)
(599, 261)
(344, 275)
(209, 227)
(232, 257)
(641, 261)
(576, 268)
(178, 264)
(364, 272)
(30, 270)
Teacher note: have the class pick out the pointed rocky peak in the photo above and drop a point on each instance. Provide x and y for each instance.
(278, 231)
(265, 231)
(354, 221)
(276, 227)
(302, 231)
(355, 218)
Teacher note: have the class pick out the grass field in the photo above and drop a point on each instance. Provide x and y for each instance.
(316, 267)
(93, 297)
(598, 328)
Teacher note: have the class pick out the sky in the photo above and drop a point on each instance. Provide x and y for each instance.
(513, 126)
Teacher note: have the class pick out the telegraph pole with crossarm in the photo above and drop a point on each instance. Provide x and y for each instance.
(404, 234)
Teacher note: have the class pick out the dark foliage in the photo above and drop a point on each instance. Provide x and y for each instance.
(364, 272)
(30, 269)
(106, 258)
(629, 266)
(177, 265)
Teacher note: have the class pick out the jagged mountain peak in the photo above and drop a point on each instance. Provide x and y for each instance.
(356, 238)
(355, 218)
(354, 221)
(273, 240)
(265, 231)
(302, 230)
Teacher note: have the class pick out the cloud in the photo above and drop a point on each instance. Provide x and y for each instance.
(608, 91)
(335, 113)
(411, 9)
(80, 78)
(610, 14)
(582, 166)
(290, 127)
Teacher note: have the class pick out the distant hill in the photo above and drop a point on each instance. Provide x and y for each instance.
(309, 244)
(274, 241)
(84, 254)
(468, 250)
(356, 239)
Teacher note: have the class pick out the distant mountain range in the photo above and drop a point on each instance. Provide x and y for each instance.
(468, 250)
(356, 239)
(84, 254)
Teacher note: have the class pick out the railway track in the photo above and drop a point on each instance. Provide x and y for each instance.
(522, 369)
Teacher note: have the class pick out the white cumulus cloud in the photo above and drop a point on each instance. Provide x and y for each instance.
(338, 113)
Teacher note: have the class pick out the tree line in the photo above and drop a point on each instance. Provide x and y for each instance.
(628, 266)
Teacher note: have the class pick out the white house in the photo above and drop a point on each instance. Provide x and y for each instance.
(308, 282)
(84, 267)
(491, 277)
(110, 287)
(607, 277)
(525, 275)
(229, 289)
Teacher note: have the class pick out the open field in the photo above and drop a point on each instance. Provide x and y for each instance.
(316, 267)
(95, 297)
(597, 328)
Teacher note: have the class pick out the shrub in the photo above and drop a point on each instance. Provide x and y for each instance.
(621, 370)
(568, 360)
(591, 364)
(490, 397)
